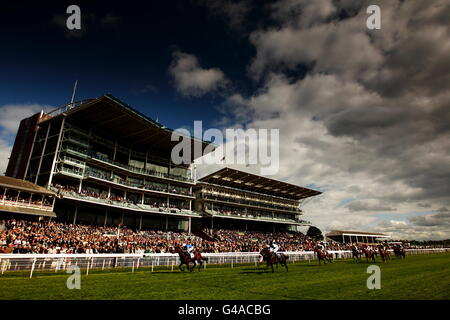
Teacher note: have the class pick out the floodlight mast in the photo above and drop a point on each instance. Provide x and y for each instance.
(74, 90)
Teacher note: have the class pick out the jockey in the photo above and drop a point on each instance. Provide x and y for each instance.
(320, 246)
(188, 248)
(274, 248)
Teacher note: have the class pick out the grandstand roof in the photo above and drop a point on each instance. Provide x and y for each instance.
(113, 117)
(247, 181)
(23, 185)
(340, 233)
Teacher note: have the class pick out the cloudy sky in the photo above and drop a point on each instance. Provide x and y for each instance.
(364, 115)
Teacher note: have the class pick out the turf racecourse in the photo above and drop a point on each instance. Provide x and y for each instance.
(417, 277)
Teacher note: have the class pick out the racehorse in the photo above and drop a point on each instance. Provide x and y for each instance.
(384, 254)
(324, 256)
(399, 252)
(372, 254)
(184, 259)
(271, 258)
(200, 259)
(356, 254)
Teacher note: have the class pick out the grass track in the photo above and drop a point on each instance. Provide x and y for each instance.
(417, 277)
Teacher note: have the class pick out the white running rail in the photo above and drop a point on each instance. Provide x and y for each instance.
(60, 262)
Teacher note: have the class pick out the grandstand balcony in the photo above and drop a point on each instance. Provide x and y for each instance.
(76, 151)
(209, 210)
(73, 162)
(252, 217)
(122, 204)
(126, 169)
(23, 197)
(242, 202)
(22, 203)
(148, 188)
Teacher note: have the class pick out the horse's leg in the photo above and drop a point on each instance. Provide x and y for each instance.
(181, 267)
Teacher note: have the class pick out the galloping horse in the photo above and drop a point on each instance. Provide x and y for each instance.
(199, 258)
(384, 254)
(271, 258)
(184, 259)
(372, 254)
(356, 254)
(323, 256)
(399, 252)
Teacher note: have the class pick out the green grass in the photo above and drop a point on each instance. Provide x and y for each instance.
(417, 277)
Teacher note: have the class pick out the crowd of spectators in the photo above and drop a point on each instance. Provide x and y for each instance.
(250, 241)
(23, 236)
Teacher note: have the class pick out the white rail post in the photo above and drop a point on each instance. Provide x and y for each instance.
(152, 264)
(231, 262)
(103, 266)
(32, 267)
(132, 269)
(172, 265)
(87, 268)
(137, 265)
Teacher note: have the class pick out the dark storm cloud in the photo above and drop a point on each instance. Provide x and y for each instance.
(235, 13)
(367, 206)
(372, 105)
(442, 218)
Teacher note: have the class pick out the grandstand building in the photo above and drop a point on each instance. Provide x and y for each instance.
(109, 165)
(235, 199)
(355, 236)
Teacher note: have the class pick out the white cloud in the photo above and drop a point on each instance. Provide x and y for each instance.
(11, 115)
(193, 80)
(369, 121)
